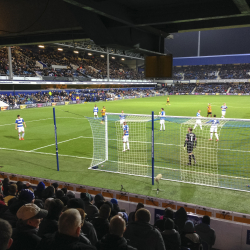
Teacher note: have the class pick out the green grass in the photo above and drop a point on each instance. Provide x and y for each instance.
(76, 152)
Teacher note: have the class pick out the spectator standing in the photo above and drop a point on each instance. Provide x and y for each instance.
(39, 190)
(50, 223)
(6, 183)
(189, 238)
(168, 213)
(101, 223)
(25, 234)
(90, 209)
(142, 234)
(131, 216)
(11, 193)
(171, 237)
(67, 237)
(5, 235)
(180, 218)
(114, 240)
(206, 233)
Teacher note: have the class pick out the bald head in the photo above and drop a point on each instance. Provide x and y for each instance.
(117, 226)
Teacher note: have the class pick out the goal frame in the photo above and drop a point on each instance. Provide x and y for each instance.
(153, 117)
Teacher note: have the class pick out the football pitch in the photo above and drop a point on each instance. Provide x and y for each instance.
(35, 156)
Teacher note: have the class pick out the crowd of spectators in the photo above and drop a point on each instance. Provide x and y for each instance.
(83, 94)
(46, 218)
(211, 72)
(180, 88)
(33, 62)
(242, 88)
(212, 88)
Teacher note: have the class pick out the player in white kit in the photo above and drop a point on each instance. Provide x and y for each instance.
(122, 119)
(162, 119)
(198, 121)
(125, 136)
(95, 111)
(223, 110)
(19, 127)
(213, 129)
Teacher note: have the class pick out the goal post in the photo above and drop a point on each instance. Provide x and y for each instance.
(152, 151)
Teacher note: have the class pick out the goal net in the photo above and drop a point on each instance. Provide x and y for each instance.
(223, 163)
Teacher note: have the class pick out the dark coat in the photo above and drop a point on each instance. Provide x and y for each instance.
(90, 209)
(113, 242)
(171, 239)
(206, 233)
(89, 231)
(59, 241)
(47, 226)
(24, 237)
(180, 218)
(101, 226)
(160, 224)
(191, 240)
(143, 236)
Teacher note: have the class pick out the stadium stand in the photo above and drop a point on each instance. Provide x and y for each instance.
(34, 62)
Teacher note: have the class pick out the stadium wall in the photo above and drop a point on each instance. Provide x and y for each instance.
(231, 228)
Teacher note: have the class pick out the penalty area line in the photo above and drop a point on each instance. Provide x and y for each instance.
(26, 151)
(57, 143)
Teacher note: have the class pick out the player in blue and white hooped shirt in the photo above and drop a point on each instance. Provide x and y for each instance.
(198, 121)
(19, 127)
(122, 119)
(125, 136)
(162, 119)
(213, 129)
(95, 111)
(223, 110)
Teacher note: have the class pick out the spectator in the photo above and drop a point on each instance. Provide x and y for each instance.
(131, 216)
(25, 196)
(55, 185)
(48, 192)
(189, 238)
(50, 223)
(114, 240)
(39, 203)
(25, 234)
(12, 193)
(47, 203)
(6, 183)
(116, 208)
(206, 233)
(101, 223)
(124, 215)
(168, 213)
(141, 234)
(99, 200)
(39, 190)
(75, 203)
(67, 237)
(90, 209)
(170, 236)
(180, 218)
(64, 190)
(19, 186)
(5, 235)
(70, 195)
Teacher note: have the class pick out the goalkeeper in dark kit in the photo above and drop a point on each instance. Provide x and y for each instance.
(190, 142)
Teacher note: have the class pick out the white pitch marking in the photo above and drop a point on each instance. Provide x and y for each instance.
(25, 151)
(27, 121)
(57, 143)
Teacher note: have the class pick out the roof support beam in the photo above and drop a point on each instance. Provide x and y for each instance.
(242, 6)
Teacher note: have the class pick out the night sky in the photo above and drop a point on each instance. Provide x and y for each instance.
(213, 42)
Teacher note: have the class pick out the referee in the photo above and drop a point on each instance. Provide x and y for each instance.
(191, 142)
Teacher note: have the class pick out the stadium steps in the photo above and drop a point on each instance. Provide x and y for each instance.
(228, 89)
(193, 90)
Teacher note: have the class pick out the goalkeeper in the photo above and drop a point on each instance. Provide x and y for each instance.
(190, 142)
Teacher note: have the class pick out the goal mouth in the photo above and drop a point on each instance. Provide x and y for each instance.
(218, 163)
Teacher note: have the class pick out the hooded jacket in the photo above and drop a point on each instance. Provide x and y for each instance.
(113, 242)
(206, 233)
(143, 235)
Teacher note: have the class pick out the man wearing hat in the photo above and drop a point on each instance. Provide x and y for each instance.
(25, 234)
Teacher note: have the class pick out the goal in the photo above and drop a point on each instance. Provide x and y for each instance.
(223, 163)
